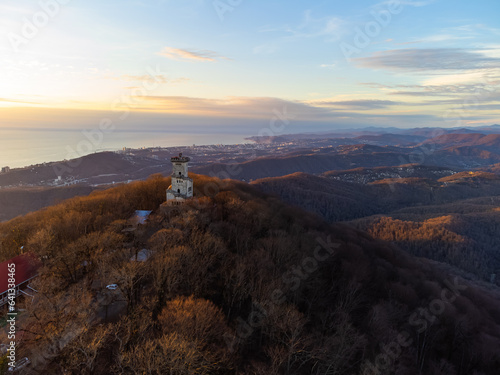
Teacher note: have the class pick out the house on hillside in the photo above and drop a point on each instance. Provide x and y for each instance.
(26, 269)
(141, 256)
(139, 217)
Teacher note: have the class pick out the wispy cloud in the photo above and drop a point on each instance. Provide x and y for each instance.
(188, 54)
(437, 59)
(160, 78)
(330, 28)
(446, 90)
(257, 107)
(311, 27)
(419, 93)
(6, 100)
(358, 104)
(455, 79)
(438, 38)
(261, 107)
(145, 77)
(412, 3)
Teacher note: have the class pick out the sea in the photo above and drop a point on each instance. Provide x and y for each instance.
(24, 147)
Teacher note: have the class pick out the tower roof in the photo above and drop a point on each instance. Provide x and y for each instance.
(180, 158)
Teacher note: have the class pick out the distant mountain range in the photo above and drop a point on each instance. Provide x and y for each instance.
(489, 142)
(341, 153)
(379, 132)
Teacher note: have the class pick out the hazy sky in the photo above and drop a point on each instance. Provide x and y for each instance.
(318, 64)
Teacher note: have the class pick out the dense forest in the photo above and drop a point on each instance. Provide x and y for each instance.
(237, 282)
(453, 219)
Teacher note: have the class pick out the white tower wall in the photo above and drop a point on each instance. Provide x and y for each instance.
(182, 185)
(180, 169)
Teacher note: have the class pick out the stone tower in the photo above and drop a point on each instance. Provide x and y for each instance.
(182, 185)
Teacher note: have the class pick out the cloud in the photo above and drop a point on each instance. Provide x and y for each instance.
(437, 38)
(145, 77)
(6, 100)
(424, 60)
(358, 104)
(246, 115)
(160, 78)
(480, 107)
(411, 3)
(455, 79)
(186, 54)
(264, 108)
(255, 112)
(418, 93)
(484, 83)
(250, 107)
(329, 27)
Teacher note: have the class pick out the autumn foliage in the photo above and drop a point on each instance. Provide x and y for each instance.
(237, 283)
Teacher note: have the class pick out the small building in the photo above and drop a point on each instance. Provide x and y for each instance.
(140, 217)
(5, 169)
(182, 186)
(26, 269)
(141, 256)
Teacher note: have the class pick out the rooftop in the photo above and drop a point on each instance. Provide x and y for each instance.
(141, 216)
(180, 158)
(27, 266)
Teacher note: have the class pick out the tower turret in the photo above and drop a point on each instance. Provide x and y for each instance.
(182, 185)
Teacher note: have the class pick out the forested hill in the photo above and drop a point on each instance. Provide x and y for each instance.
(453, 219)
(237, 283)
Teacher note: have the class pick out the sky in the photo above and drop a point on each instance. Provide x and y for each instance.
(242, 66)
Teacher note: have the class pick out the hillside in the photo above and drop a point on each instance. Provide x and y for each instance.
(464, 233)
(333, 200)
(346, 157)
(18, 201)
(467, 241)
(345, 195)
(488, 142)
(378, 133)
(365, 194)
(238, 283)
(479, 178)
(98, 168)
(495, 168)
(368, 175)
(391, 139)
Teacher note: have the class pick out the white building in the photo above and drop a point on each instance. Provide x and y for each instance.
(182, 186)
